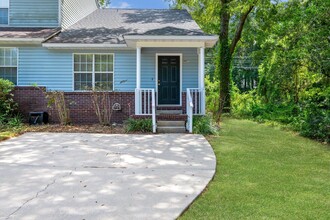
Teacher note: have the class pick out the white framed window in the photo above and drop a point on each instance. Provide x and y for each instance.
(8, 64)
(93, 71)
(4, 12)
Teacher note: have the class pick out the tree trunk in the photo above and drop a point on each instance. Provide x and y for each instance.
(225, 59)
(226, 53)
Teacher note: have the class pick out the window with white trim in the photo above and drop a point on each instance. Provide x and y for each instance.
(8, 64)
(93, 72)
(4, 12)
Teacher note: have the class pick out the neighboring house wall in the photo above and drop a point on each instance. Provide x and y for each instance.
(34, 13)
(75, 10)
(54, 68)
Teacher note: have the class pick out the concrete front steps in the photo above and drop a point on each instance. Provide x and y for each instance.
(171, 120)
(171, 126)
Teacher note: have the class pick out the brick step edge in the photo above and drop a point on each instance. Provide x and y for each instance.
(162, 117)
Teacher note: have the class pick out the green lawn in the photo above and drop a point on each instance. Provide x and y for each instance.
(265, 173)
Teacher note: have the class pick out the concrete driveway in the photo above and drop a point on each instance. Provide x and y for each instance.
(98, 176)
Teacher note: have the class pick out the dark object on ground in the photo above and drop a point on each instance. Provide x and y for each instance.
(38, 118)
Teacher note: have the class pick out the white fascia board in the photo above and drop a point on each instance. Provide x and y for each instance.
(177, 44)
(21, 40)
(151, 37)
(82, 46)
(171, 41)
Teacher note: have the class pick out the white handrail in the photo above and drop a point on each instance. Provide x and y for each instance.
(153, 105)
(190, 106)
(195, 105)
(145, 106)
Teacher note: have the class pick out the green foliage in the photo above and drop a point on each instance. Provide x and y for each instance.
(310, 117)
(7, 105)
(285, 50)
(314, 118)
(15, 121)
(138, 125)
(212, 94)
(104, 3)
(204, 125)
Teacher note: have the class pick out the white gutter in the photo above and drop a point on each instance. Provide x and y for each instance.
(176, 41)
(82, 46)
(152, 37)
(25, 41)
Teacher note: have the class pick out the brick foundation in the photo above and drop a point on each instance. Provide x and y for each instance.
(31, 99)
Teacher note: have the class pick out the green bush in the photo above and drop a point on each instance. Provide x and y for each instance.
(313, 120)
(204, 125)
(310, 116)
(15, 121)
(7, 104)
(138, 125)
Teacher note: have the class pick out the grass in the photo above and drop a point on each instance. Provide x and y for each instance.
(4, 135)
(265, 173)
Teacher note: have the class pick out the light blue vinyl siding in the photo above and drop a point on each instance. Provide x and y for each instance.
(38, 65)
(33, 13)
(189, 67)
(125, 71)
(53, 68)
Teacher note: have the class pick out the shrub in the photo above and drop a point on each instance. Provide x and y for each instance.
(7, 104)
(15, 121)
(314, 118)
(57, 100)
(102, 106)
(204, 125)
(138, 125)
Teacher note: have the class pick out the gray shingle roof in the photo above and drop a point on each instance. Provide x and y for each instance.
(111, 25)
(32, 33)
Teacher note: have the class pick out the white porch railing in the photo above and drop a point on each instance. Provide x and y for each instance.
(195, 105)
(145, 104)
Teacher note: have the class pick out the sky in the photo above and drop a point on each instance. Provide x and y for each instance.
(145, 4)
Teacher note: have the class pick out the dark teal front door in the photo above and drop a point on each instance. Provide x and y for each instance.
(169, 80)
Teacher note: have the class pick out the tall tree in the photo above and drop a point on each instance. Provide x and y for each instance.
(226, 18)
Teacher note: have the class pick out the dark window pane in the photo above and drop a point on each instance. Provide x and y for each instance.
(3, 15)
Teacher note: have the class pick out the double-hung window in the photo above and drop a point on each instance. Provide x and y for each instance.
(8, 64)
(93, 72)
(4, 12)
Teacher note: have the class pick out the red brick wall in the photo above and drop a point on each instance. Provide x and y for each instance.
(31, 99)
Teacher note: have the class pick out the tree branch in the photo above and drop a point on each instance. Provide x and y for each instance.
(239, 29)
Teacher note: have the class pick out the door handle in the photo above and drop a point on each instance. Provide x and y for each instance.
(159, 82)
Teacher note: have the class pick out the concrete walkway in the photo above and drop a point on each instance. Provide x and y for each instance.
(98, 176)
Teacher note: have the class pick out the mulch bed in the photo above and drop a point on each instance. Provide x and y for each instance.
(118, 129)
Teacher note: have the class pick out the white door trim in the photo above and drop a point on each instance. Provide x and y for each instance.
(156, 77)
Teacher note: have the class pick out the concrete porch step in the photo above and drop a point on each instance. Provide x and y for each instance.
(171, 129)
(171, 123)
(171, 126)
